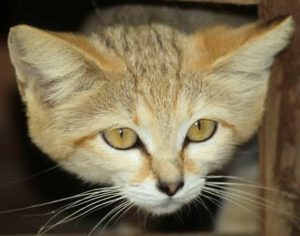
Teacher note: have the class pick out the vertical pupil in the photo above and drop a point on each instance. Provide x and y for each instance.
(121, 133)
(197, 123)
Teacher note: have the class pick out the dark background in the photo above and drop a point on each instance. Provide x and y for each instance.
(21, 163)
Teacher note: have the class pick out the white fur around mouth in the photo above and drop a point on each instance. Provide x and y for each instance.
(148, 198)
(168, 206)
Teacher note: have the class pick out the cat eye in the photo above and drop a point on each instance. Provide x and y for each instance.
(121, 138)
(201, 130)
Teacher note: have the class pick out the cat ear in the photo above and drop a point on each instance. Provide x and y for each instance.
(238, 62)
(54, 66)
(249, 49)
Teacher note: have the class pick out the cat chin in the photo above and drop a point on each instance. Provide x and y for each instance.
(163, 209)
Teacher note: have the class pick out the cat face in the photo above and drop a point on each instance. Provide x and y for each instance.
(147, 109)
(162, 154)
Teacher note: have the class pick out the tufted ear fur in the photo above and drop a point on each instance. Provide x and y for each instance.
(249, 49)
(54, 66)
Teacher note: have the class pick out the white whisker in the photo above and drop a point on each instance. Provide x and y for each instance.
(214, 201)
(255, 202)
(250, 184)
(29, 177)
(103, 194)
(46, 227)
(87, 193)
(97, 207)
(80, 202)
(107, 215)
(232, 189)
(202, 203)
(128, 206)
(229, 199)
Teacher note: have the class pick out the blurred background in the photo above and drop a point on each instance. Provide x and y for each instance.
(28, 177)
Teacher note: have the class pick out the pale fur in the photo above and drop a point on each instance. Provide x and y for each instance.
(156, 76)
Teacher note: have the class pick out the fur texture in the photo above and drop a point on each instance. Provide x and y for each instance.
(157, 76)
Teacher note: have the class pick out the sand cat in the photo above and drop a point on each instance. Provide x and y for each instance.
(149, 100)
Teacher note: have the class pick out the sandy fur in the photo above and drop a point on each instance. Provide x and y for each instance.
(156, 76)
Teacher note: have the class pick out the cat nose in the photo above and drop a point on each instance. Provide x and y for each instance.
(169, 188)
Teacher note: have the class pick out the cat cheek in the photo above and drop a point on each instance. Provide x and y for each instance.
(190, 166)
(143, 172)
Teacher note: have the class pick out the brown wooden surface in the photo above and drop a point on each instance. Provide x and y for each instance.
(238, 2)
(280, 136)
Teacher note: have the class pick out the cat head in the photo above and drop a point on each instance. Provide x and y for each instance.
(148, 109)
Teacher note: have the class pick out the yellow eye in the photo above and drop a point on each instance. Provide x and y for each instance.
(201, 130)
(122, 138)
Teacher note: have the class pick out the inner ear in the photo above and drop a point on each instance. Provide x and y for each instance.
(107, 63)
(251, 47)
(219, 41)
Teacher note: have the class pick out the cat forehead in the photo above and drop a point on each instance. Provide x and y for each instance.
(156, 80)
(166, 100)
(153, 55)
(150, 50)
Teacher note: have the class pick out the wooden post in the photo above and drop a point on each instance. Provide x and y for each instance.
(280, 135)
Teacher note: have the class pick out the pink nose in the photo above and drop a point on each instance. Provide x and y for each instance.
(170, 188)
